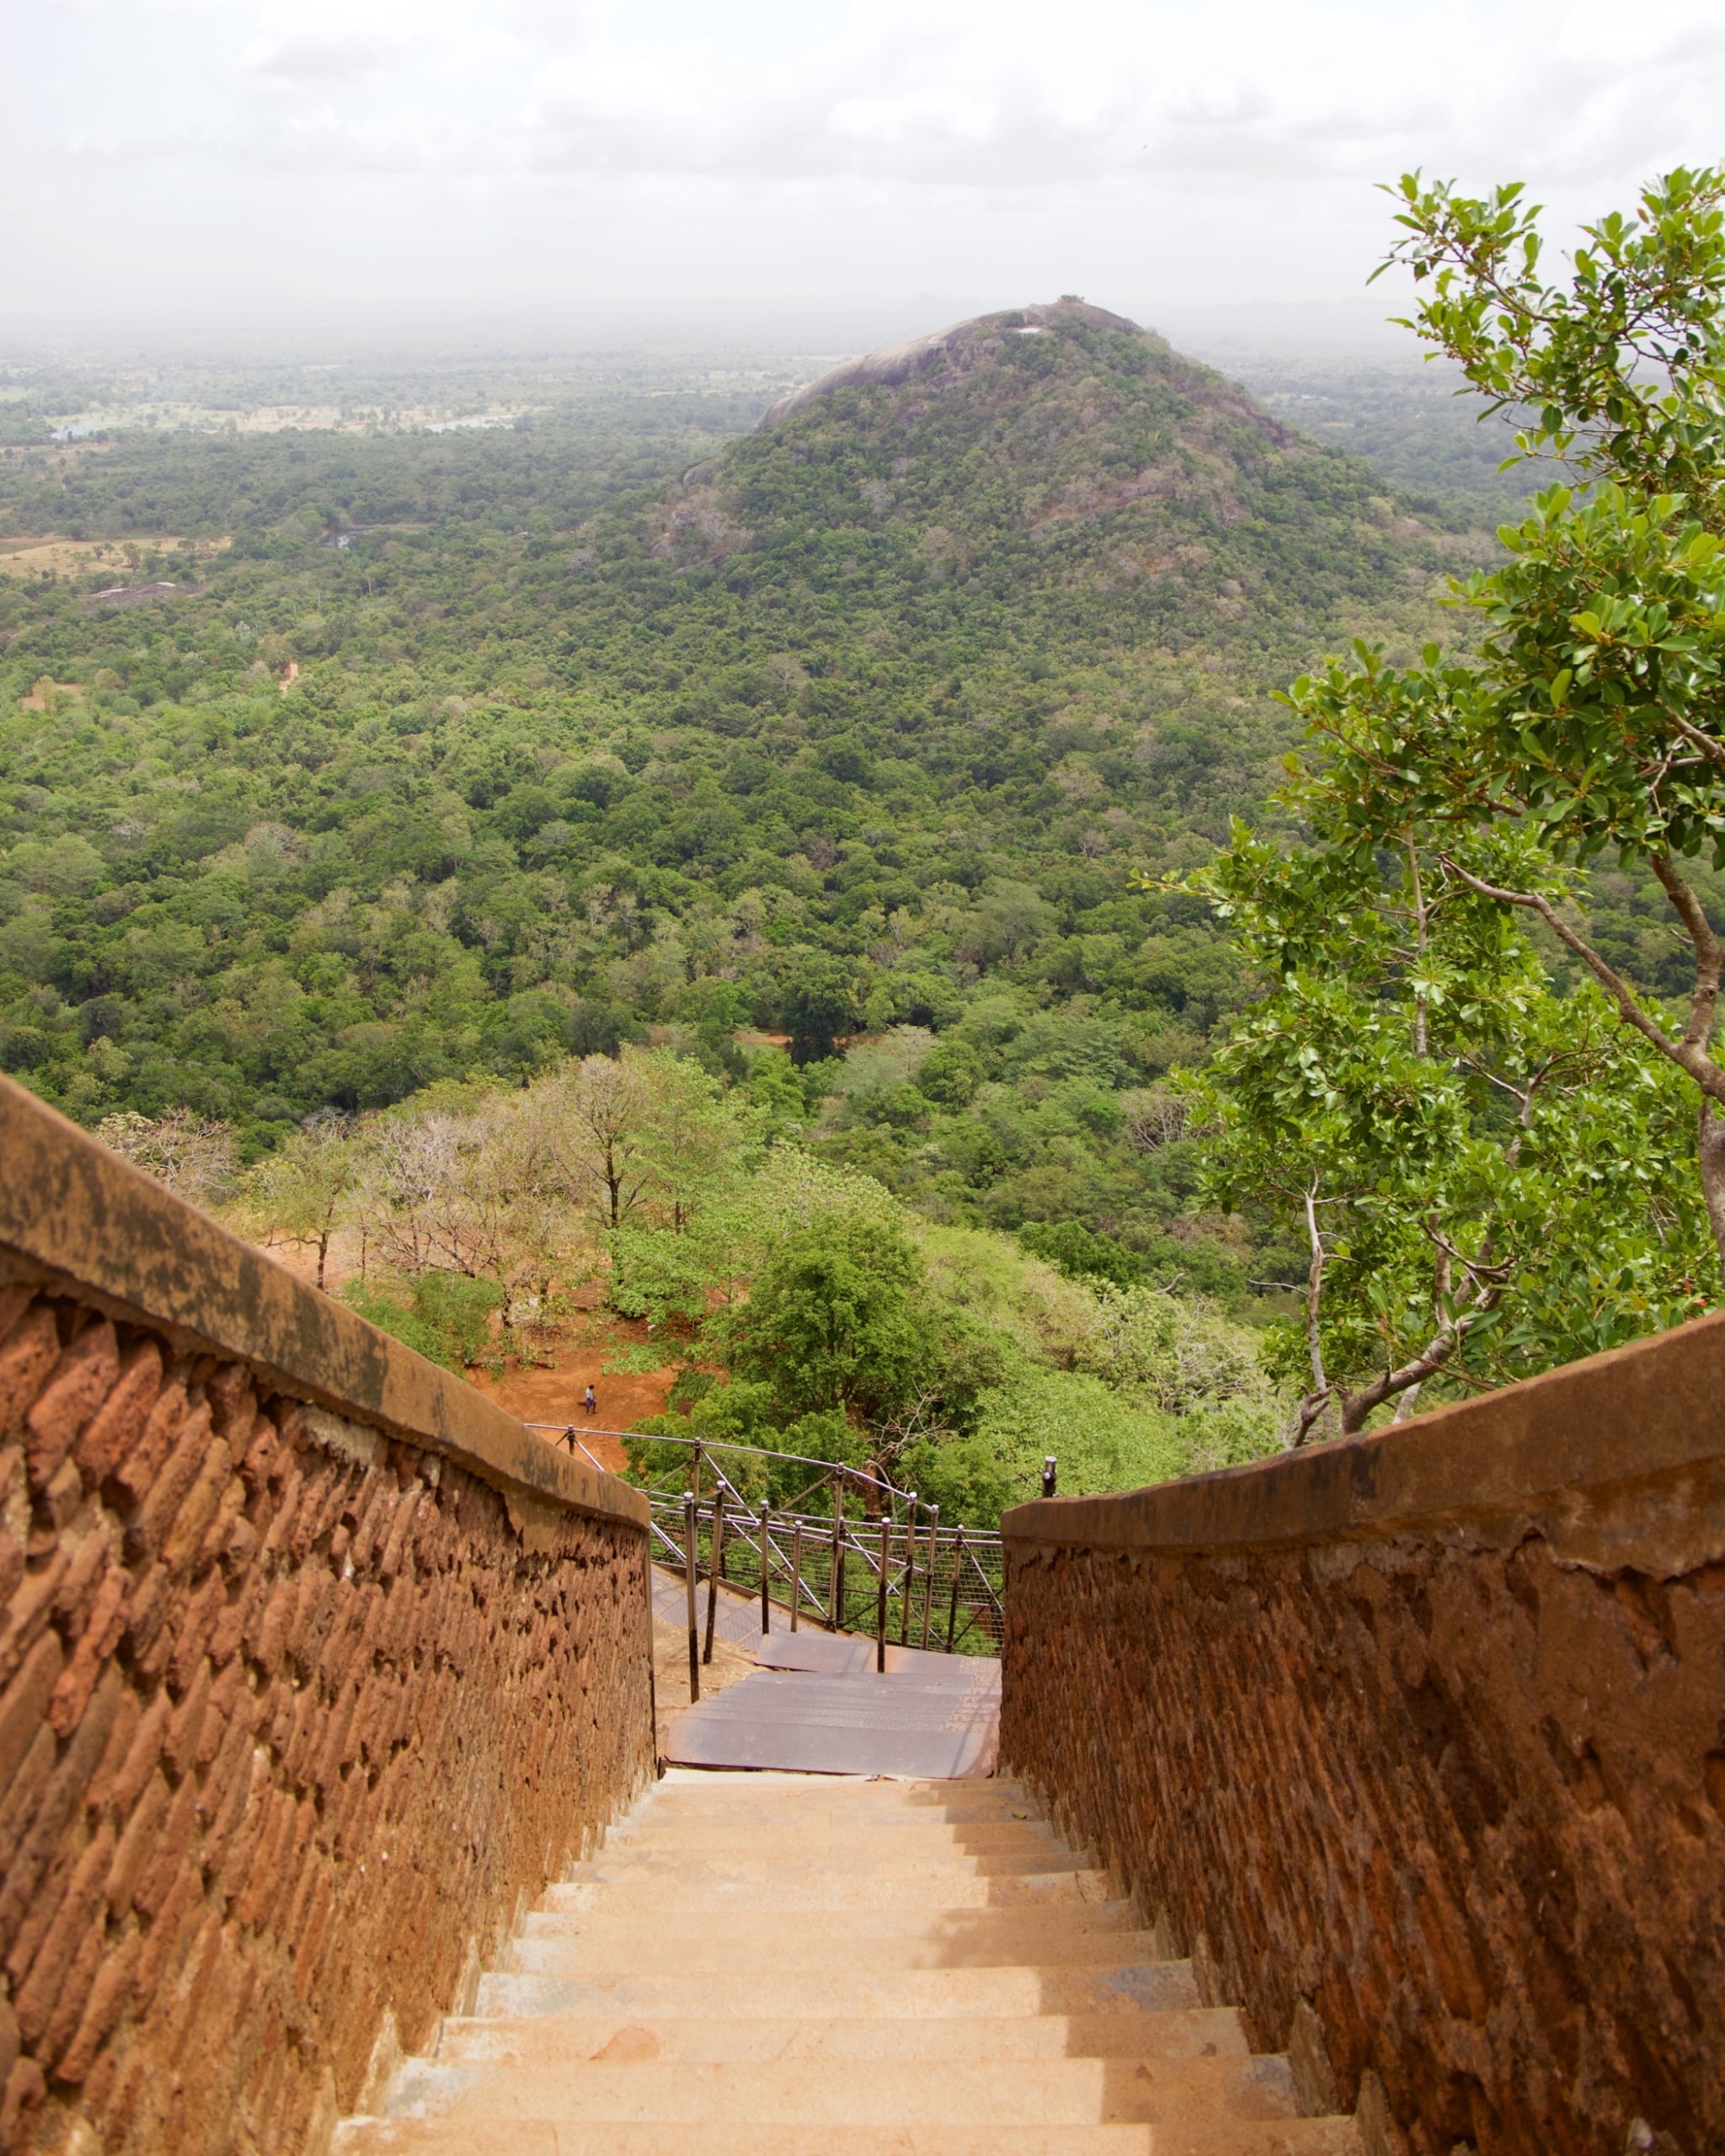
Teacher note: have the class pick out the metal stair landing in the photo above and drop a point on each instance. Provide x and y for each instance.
(833, 1703)
(924, 1968)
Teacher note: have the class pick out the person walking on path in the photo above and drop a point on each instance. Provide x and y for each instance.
(590, 1402)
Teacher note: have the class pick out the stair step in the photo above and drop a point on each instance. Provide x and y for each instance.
(915, 1833)
(647, 1860)
(968, 1986)
(738, 1949)
(1176, 2032)
(900, 1994)
(654, 1897)
(735, 1793)
(554, 2138)
(697, 1795)
(721, 1791)
(867, 1904)
(842, 2093)
(725, 1786)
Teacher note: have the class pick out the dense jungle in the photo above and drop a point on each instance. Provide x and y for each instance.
(606, 836)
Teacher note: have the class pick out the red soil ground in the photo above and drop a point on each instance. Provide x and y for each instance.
(553, 1394)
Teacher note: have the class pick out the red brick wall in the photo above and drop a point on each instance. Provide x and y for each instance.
(291, 1716)
(1427, 1732)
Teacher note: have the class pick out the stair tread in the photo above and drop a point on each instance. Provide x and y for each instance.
(1172, 2032)
(913, 1836)
(651, 1860)
(742, 1921)
(884, 1994)
(969, 1986)
(527, 2136)
(844, 2092)
(981, 1941)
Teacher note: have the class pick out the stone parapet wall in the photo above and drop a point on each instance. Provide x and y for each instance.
(1416, 1743)
(314, 1667)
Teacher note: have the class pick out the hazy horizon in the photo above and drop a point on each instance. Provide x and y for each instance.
(686, 329)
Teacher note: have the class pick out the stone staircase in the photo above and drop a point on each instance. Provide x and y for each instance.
(757, 1960)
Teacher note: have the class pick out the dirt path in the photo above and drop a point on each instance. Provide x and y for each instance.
(554, 1395)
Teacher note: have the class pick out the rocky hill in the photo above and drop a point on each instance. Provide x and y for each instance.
(1062, 461)
(940, 359)
(864, 722)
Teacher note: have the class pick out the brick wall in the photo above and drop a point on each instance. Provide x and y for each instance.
(1417, 1742)
(297, 1703)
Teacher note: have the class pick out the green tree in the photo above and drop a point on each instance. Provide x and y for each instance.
(1488, 1178)
(696, 1143)
(1592, 721)
(1070, 1245)
(836, 1320)
(697, 1139)
(307, 1190)
(776, 1089)
(820, 1007)
(444, 1317)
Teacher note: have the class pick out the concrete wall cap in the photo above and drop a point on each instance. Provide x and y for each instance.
(1564, 1452)
(76, 1219)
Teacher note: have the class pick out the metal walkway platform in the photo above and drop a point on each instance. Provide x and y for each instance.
(818, 1706)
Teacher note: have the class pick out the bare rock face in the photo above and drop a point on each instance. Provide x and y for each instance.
(954, 350)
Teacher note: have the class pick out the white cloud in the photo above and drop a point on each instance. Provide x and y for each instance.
(338, 149)
(335, 59)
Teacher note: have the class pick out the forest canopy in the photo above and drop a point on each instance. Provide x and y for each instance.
(852, 782)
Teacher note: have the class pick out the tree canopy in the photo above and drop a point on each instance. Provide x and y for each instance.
(1485, 1161)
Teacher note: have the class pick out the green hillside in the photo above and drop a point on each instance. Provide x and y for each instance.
(470, 751)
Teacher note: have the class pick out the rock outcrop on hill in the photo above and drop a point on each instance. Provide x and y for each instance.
(952, 351)
(1049, 454)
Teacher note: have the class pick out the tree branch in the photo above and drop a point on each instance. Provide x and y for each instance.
(1487, 1281)
(1713, 750)
(1479, 1270)
(1318, 1399)
(1708, 953)
(1431, 1358)
(1502, 1085)
(1685, 1053)
(1314, 1290)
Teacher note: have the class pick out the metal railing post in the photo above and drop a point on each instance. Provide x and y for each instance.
(958, 1573)
(835, 1582)
(766, 1570)
(908, 1584)
(928, 1572)
(689, 1525)
(796, 1568)
(886, 1558)
(715, 1559)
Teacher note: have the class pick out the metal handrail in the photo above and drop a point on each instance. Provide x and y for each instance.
(570, 1434)
(892, 1578)
(832, 1539)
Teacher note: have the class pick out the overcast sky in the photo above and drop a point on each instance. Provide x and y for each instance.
(548, 163)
